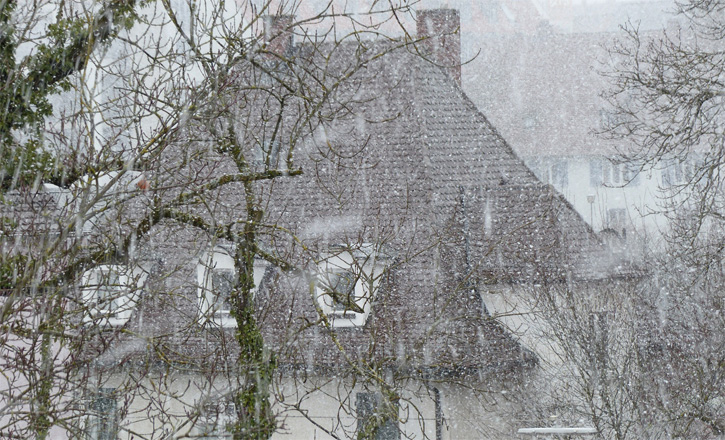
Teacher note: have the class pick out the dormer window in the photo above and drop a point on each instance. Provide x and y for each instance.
(217, 277)
(343, 294)
(110, 293)
(346, 285)
(222, 282)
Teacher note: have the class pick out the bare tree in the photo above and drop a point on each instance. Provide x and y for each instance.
(640, 358)
(636, 358)
(667, 93)
(154, 128)
(185, 273)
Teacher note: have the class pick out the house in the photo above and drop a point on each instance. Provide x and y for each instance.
(377, 256)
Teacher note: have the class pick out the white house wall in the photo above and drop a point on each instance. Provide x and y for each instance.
(166, 405)
(121, 91)
(563, 323)
(597, 204)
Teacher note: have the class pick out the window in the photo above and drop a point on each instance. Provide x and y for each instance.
(617, 218)
(373, 416)
(216, 279)
(596, 172)
(110, 293)
(602, 172)
(103, 423)
(213, 420)
(630, 173)
(675, 173)
(346, 285)
(609, 119)
(560, 173)
(222, 282)
(554, 171)
(343, 294)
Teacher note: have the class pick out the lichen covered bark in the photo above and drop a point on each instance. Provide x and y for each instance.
(255, 419)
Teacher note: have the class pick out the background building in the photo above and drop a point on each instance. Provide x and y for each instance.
(536, 72)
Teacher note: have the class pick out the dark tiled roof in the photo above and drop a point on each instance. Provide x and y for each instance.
(460, 200)
(31, 212)
(415, 168)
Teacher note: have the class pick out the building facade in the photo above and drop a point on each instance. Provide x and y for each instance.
(544, 88)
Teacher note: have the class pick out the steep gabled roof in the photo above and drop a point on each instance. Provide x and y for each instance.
(437, 187)
(415, 144)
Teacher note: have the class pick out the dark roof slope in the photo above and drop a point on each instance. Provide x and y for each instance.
(439, 189)
(30, 212)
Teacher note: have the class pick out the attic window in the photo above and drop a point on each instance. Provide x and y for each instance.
(346, 285)
(217, 277)
(343, 295)
(344, 282)
(222, 282)
(110, 292)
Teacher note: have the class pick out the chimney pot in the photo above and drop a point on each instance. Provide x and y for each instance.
(278, 33)
(440, 31)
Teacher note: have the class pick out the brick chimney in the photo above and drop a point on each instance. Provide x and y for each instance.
(440, 31)
(278, 33)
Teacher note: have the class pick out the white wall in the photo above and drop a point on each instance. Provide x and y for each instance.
(165, 405)
(598, 204)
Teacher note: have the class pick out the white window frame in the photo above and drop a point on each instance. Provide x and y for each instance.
(124, 293)
(365, 267)
(220, 259)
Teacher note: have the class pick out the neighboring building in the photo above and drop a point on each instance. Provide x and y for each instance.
(412, 217)
(541, 86)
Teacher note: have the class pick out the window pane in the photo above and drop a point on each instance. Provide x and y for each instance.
(103, 423)
(222, 281)
(616, 173)
(342, 283)
(109, 291)
(560, 173)
(631, 174)
(595, 172)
